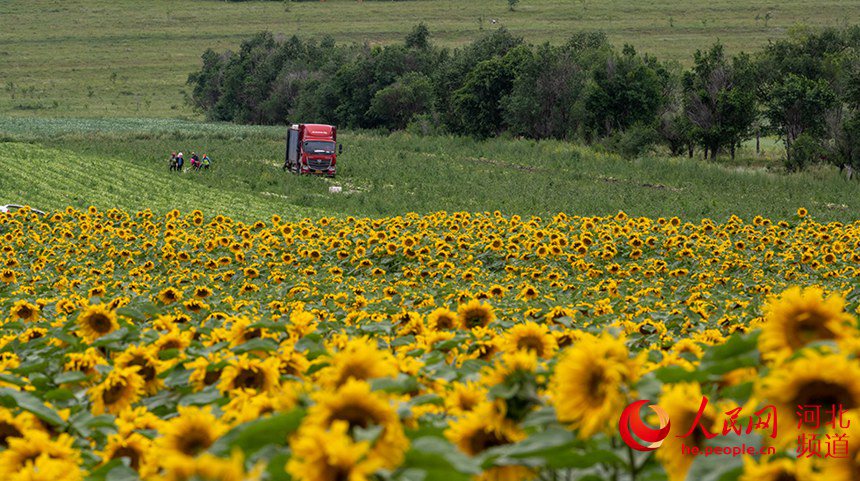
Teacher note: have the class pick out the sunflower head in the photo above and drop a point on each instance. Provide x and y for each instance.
(798, 317)
(36, 449)
(814, 379)
(250, 373)
(24, 311)
(359, 359)
(321, 454)
(530, 336)
(588, 388)
(681, 403)
(191, 432)
(475, 314)
(96, 321)
(133, 446)
(483, 428)
(120, 389)
(360, 408)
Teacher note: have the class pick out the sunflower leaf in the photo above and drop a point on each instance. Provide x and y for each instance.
(101, 472)
(250, 437)
(276, 468)
(401, 384)
(440, 459)
(674, 374)
(13, 380)
(736, 345)
(70, 377)
(202, 398)
(114, 336)
(122, 472)
(258, 344)
(28, 402)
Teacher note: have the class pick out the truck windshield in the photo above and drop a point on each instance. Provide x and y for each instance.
(319, 147)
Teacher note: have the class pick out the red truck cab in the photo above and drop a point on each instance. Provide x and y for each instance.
(312, 149)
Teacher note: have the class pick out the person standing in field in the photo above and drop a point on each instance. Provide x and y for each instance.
(179, 162)
(205, 162)
(172, 162)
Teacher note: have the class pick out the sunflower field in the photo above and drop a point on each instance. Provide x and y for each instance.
(446, 346)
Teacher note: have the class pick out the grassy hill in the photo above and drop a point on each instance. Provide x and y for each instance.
(95, 58)
(122, 163)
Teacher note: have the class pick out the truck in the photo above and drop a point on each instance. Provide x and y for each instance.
(311, 149)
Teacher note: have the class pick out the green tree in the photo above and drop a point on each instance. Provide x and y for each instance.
(477, 105)
(624, 90)
(720, 99)
(419, 37)
(454, 68)
(395, 105)
(797, 105)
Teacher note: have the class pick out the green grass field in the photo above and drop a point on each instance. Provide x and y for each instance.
(122, 163)
(96, 58)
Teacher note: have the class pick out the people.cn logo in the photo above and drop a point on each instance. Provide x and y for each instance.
(631, 421)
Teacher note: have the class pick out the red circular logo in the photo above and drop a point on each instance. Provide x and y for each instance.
(632, 421)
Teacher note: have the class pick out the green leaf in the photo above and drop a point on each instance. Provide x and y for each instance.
(70, 377)
(736, 345)
(258, 344)
(122, 473)
(207, 396)
(115, 336)
(13, 380)
(100, 473)
(276, 468)
(540, 442)
(740, 393)
(59, 395)
(674, 374)
(401, 384)
(28, 402)
(440, 460)
(254, 435)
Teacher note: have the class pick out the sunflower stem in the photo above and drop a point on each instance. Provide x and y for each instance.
(633, 469)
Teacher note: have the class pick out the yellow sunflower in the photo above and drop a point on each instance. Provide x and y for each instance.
(24, 311)
(442, 319)
(13, 426)
(781, 469)
(133, 446)
(530, 336)
(46, 468)
(121, 388)
(245, 372)
(681, 403)
(146, 358)
(190, 433)
(464, 397)
(359, 359)
(798, 317)
(321, 454)
(33, 444)
(824, 380)
(475, 314)
(484, 428)
(8, 276)
(360, 407)
(169, 295)
(589, 384)
(96, 321)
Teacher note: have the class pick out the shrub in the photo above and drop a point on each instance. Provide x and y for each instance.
(803, 152)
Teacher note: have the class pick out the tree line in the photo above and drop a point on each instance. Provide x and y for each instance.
(804, 88)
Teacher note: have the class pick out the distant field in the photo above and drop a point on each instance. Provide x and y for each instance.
(122, 163)
(93, 58)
